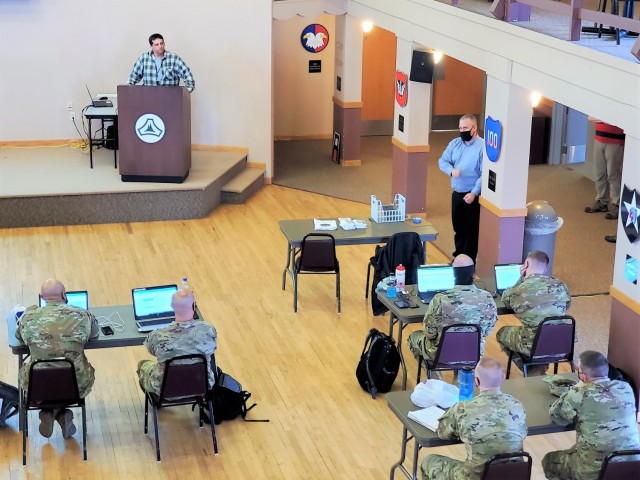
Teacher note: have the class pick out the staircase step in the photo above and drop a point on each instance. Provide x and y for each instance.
(243, 185)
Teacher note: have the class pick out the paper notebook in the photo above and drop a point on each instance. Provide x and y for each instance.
(427, 417)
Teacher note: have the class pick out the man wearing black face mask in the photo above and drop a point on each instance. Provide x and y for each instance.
(465, 303)
(462, 161)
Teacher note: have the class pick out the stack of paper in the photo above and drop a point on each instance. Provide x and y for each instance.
(324, 224)
(352, 224)
(428, 417)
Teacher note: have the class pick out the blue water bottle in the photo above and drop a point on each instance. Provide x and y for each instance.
(465, 383)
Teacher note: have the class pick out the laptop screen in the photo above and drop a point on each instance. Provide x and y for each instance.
(435, 278)
(153, 302)
(506, 276)
(79, 298)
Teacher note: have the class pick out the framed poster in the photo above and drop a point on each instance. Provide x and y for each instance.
(335, 154)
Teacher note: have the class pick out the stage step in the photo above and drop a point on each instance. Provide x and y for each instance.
(243, 185)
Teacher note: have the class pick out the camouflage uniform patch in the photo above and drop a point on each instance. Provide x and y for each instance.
(58, 330)
(463, 304)
(179, 338)
(605, 418)
(491, 423)
(535, 298)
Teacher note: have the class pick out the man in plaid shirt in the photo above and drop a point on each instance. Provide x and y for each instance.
(159, 67)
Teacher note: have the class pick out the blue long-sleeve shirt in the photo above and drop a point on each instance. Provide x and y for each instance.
(466, 158)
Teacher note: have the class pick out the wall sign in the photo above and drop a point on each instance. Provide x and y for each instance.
(402, 88)
(314, 38)
(492, 138)
(631, 269)
(629, 212)
(315, 66)
(149, 128)
(339, 84)
(491, 183)
(401, 123)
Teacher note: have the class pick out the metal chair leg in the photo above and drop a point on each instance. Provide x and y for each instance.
(213, 429)
(419, 370)
(155, 426)
(25, 429)
(295, 292)
(509, 364)
(84, 432)
(146, 413)
(338, 290)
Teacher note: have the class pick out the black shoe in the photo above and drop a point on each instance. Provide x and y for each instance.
(611, 238)
(611, 216)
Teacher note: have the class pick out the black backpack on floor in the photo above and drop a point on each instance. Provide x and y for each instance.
(9, 402)
(379, 363)
(229, 400)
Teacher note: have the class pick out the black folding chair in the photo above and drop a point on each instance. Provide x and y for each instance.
(317, 255)
(52, 385)
(616, 467)
(508, 466)
(459, 348)
(553, 343)
(185, 382)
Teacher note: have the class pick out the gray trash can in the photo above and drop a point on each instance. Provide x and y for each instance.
(540, 229)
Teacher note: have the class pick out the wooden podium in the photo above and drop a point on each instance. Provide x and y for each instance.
(154, 133)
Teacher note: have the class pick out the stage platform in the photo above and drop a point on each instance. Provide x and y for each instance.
(55, 186)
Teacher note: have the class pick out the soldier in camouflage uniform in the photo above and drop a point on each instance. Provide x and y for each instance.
(58, 330)
(185, 336)
(491, 423)
(535, 297)
(463, 304)
(604, 413)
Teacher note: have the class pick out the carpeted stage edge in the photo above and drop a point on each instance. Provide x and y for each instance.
(55, 186)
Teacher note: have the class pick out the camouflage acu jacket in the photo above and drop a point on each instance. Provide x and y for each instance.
(59, 330)
(491, 423)
(605, 417)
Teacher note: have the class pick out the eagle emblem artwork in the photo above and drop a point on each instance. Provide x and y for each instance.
(629, 212)
(314, 38)
(402, 88)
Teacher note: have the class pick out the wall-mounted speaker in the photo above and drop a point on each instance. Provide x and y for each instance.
(421, 67)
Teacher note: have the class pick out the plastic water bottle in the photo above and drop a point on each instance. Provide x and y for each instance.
(465, 383)
(184, 285)
(400, 277)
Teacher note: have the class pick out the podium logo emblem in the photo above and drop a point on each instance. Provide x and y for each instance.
(150, 128)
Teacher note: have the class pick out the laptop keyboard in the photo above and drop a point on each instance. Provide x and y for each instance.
(153, 324)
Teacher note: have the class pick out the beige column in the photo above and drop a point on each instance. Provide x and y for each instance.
(347, 88)
(504, 182)
(624, 329)
(411, 126)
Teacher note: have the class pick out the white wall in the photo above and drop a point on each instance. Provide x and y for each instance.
(50, 49)
(303, 103)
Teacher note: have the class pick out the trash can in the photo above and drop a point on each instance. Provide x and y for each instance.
(540, 227)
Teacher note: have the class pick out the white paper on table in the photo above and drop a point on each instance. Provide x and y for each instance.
(320, 224)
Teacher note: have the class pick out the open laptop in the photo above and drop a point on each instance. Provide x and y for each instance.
(78, 298)
(98, 103)
(152, 307)
(433, 279)
(506, 276)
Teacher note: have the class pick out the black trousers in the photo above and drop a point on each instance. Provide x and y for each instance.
(466, 224)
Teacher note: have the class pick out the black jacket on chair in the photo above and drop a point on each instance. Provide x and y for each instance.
(402, 248)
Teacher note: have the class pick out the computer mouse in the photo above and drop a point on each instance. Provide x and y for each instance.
(103, 98)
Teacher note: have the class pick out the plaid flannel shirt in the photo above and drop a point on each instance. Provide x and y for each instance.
(171, 71)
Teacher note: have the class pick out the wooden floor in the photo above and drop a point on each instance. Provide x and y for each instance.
(300, 367)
